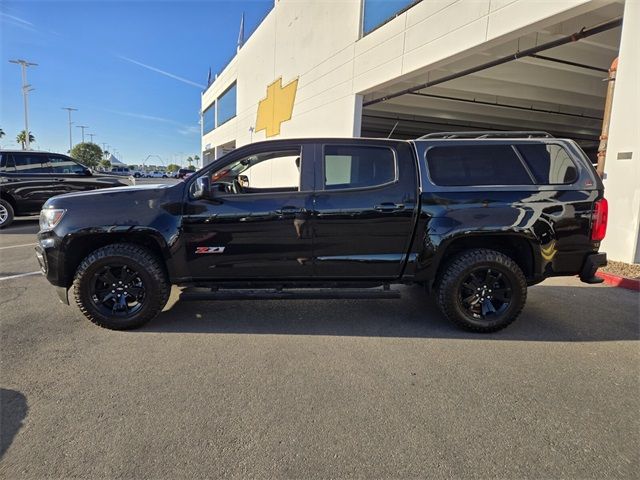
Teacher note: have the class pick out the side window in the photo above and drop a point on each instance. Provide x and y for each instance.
(354, 166)
(61, 164)
(268, 172)
(6, 163)
(31, 163)
(549, 163)
(468, 165)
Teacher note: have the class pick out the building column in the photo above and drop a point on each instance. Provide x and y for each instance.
(622, 165)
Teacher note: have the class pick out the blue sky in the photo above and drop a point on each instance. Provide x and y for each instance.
(135, 70)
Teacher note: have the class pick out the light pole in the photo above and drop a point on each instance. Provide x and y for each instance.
(82, 127)
(26, 88)
(69, 110)
(91, 135)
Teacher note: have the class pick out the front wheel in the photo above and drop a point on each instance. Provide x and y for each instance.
(121, 286)
(481, 290)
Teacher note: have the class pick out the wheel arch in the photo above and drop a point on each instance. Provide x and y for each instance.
(9, 198)
(78, 247)
(516, 246)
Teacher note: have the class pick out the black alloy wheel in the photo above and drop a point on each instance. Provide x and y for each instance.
(121, 286)
(481, 290)
(485, 293)
(118, 290)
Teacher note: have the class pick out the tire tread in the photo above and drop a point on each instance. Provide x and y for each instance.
(138, 254)
(456, 267)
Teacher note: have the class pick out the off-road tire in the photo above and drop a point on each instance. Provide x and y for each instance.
(139, 258)
(10, 213)
(454, 273)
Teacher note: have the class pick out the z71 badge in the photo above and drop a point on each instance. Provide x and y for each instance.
(209, 249)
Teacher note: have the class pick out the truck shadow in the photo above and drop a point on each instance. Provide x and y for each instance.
(553, 313)
(13, 410)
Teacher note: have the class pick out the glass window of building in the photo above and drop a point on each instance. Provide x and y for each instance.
(209, 118)
(378, 12)
(227, 105)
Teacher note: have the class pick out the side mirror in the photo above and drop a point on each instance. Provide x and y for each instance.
(201, 188)
(88, 172)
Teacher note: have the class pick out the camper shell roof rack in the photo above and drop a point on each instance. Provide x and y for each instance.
(505, 134)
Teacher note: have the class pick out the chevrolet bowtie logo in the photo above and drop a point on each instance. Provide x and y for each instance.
(277, 107)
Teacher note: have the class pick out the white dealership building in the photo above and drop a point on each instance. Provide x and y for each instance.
(404, 68)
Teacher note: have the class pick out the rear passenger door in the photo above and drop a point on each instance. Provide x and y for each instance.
(72, 176)
(364, 209)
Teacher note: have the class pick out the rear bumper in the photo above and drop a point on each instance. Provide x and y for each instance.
(590, 265)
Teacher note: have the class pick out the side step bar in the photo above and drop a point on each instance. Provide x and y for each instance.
(203, 294)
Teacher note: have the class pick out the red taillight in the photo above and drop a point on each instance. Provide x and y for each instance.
(599, 220)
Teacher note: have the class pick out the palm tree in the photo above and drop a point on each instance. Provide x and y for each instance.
(1, 133)
(22, 138)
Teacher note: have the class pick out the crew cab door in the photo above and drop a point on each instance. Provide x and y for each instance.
(365, 208)
(255, 223)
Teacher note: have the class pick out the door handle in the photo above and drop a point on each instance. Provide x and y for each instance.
(288, 210)
(389, 207)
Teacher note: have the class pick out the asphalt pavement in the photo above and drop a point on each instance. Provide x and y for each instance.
(316, 389)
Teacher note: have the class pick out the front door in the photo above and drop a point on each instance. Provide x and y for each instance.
(255, 225)
(365, 207)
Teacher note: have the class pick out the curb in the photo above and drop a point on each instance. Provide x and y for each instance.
(618, 281)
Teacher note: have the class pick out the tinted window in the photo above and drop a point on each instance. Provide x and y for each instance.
(6, 163)
(31, 163)
(358, 167)
(60, 164)
(227, 105)
(549, 163)
(461, 165)
(209, 119)
(377, 12)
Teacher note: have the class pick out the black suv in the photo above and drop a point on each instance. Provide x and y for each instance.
(28, 179)
(476, 220)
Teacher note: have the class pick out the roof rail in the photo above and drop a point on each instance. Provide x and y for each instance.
(506, 134)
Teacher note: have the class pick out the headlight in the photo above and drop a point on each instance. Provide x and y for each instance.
(50, 217)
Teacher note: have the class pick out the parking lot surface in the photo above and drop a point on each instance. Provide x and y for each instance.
(316, 389)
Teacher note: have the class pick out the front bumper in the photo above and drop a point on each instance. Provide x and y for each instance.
(591, 265)
(41, 256)
(43, 261)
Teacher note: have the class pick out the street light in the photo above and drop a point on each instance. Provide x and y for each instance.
(26, 88)
(91, 135)
(69, 110)
(82, 127)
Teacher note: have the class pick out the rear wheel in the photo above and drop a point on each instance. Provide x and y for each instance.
(6, 213)
(482, 290)
(121, 286)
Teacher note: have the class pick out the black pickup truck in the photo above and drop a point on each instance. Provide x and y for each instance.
(474, 218)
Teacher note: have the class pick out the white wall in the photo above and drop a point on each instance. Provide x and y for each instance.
(319, 43)
(622, 182)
